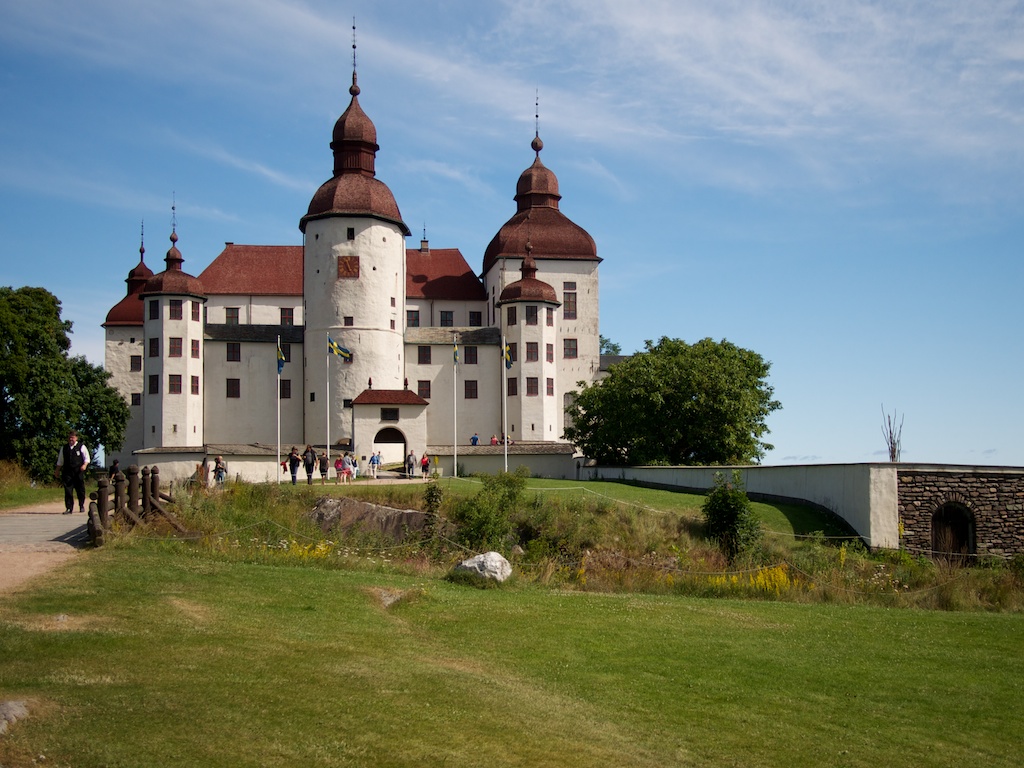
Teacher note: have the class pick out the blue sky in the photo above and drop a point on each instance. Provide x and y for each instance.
(837, 186)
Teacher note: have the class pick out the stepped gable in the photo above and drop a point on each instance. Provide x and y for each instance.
(529, 288)
(129, 310)
(539, 222)
(354, 190)
(255, 270)
(173, 280)
(440, 273)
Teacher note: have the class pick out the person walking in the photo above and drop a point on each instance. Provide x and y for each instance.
(293, 463)
(323, 467)
(72, 461)
(309, 463)
(425, 465)
(410, 465)
(220, 471)
(347, 468)
(374, 464)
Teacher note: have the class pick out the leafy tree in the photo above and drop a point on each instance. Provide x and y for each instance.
(609, 347)
(728, 517)
(676, 403)
(43, 392)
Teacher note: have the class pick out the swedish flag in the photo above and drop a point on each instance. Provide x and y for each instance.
(508, 356)
(335, 348)
(280, 359)
(456, 354)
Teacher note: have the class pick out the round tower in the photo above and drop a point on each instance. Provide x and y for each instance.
(172, 356)
(353, 280)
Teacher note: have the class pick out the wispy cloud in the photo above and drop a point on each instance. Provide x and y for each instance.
(211, 151)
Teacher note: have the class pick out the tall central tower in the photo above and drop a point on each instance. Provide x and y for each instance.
(353, 277)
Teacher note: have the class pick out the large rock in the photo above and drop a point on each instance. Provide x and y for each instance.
(489, 565)
(351, 516)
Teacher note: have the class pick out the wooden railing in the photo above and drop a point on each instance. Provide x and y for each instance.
(129, 498)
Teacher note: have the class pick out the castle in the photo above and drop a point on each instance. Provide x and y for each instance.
(357, 342)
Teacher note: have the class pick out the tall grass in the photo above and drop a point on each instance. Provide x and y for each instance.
(17, 489)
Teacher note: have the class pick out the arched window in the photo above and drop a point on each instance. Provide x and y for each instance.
(953, 534)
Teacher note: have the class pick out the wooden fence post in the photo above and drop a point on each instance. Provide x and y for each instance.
(145, 492)
(133, 490)
(103, 501)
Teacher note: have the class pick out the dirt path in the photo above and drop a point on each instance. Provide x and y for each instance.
(27, 550)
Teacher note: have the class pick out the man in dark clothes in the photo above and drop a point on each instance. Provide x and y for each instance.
(72, 461)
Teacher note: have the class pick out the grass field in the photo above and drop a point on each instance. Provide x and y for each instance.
(156, 654)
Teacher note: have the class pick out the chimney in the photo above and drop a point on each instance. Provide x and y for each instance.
(424, 246)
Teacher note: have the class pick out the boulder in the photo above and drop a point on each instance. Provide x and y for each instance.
(489, 565)
(351, 516)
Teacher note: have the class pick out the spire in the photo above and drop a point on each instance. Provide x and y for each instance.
(355, 136)
(174, 258)
(142, 242)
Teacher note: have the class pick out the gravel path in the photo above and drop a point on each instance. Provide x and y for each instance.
(34, 540)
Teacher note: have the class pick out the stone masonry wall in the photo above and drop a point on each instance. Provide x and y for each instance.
(996, 499)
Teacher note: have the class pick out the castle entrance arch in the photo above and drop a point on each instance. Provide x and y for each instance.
(953, 531)
(391, 444)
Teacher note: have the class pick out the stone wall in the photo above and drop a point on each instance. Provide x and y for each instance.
(994, 497)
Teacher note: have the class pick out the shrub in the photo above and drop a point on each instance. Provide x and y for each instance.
(728, 517)
(485, 521)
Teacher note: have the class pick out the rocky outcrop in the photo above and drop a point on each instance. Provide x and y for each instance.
(349, 516)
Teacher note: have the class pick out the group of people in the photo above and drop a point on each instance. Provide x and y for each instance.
(495, 440)
(411, 463)
(346, 466)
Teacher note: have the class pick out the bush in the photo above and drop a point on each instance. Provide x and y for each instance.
(729, 518)
(485, 521)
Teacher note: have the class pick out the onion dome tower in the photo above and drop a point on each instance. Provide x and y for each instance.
(353, 279)
(527, 308)
(172, 353)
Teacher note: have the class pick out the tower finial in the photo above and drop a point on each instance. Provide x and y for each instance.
(537, 145)
(354, 89)
(142, 241)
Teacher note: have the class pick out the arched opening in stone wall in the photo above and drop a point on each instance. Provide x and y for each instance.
(953, 534)
(391, 444)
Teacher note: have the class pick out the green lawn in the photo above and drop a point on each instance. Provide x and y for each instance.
(169, 657)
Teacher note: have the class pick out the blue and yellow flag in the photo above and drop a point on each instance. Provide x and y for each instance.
(280, 359)
(335, 348)
(456, 354)
(508, 356)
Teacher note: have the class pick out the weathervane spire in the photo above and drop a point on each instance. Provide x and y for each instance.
(354, 89)
(142, 241)
(536, 144)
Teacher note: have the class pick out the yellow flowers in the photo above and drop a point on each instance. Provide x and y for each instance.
(773, 580)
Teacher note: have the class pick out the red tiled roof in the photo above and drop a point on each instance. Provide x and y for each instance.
(441, 273)
(529, 288)
(255, 270)
(388, 397)
(128, 311)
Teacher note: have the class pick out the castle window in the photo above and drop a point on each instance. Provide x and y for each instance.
(531, 315)
(551, 387)
(175, 309)
(175, 348)
(513, 386)
(287, 316)
(511, 314)
(412, 318)
(389, 414)
(532, 352)
(195, 311)
(154, 309)
(195, 385)
(234, 352)
(351, 234)
(549, 352)
(195, 348)
(234, 388)
(423, 388)
(174, 384)
(513, 352)
(532, 389)
(392, 301)
(231, 315)
(154, 384)
(392, 324)
(286, 389)
(469, 354)
(568, 301)
(154, 347)
(447, 318)
(476, 319)
(136, 398)
(349, 321)
(423, 355)
(550, 314)
(346, 403)
(286, 350)
(470, 389)
(569, 349)
(136, 363)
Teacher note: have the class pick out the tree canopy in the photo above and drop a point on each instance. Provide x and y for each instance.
(676, 403)
(44, 393)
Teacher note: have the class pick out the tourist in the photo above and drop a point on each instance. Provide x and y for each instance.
(374, 464)
(72, 461)
(323, 467)
(293, 461)
(309, 463)
(425, 465)
(475, 439)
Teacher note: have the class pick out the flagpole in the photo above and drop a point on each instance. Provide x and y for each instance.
(277, 362)
(455, 407)
(504, 400)
(327, 405)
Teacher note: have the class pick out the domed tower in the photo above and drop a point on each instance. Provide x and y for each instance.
(172, 356)
(535, 413)
(563, 258)
(123, 353)
(353, 279)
